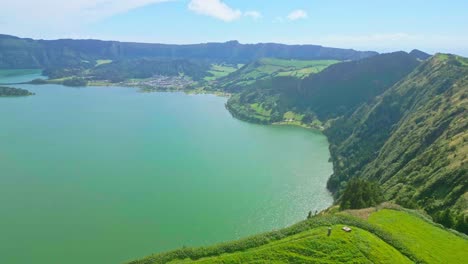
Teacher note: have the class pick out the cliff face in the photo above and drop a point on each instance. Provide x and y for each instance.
(413, 139)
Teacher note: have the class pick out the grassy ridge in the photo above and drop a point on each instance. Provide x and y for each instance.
(28, 53)
(314, 245)
(376, 240)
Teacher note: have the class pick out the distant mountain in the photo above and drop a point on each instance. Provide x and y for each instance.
(28, 53)
(420, 54)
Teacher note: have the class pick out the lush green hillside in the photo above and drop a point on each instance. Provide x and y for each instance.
(217, 71)
(335, 91)
(267, 68)
(388, 120)
(412, 140)
(315, 246)
(12, 92)
(378, 240)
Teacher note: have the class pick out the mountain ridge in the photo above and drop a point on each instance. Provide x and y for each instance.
(18, 52)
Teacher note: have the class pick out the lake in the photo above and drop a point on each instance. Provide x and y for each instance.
(109, 174)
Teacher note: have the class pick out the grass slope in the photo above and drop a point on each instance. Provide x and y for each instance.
(381, 235)
(220, 70)
(429, 243)
(334, 91)
(314, 246)
(266, 68)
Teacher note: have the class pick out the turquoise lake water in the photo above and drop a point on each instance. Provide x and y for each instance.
(109, 174)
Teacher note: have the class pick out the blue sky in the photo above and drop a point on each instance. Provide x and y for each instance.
(432, 26)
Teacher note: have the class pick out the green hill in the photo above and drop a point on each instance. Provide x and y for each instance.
(412, 139)
(267, 68)
(335, 91)
(377, 236)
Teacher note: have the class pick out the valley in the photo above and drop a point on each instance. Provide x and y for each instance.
(330, 131)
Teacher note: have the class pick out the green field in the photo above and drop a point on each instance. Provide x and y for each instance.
(101, 62)
(271, 67)
(219, 71)
(314, 245)
(260, 111)
(430, 243)
(378, 236)
(280, 67)
(302, 69)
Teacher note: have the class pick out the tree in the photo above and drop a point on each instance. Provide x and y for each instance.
(360, 194)
(446, 218)
(308, 118)
(75, 82)
(461, 223)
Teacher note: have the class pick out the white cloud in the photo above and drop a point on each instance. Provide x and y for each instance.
(297, 14)
(253, 14)
(214, 8)
(61, 15)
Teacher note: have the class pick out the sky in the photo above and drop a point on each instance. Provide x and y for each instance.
(384, 26)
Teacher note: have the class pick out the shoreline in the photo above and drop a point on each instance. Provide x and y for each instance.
(297, 124)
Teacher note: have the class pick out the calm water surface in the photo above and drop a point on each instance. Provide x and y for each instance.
(107, 175)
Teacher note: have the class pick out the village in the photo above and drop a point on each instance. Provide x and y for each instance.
(161, 82)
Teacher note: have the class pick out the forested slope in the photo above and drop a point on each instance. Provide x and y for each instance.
(412, 140)
(337, 90)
